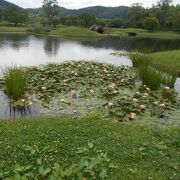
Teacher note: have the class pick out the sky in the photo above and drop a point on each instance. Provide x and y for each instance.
(76, 4)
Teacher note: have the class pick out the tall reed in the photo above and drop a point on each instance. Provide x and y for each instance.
(139, 59)
(15, 82)
(151, 77)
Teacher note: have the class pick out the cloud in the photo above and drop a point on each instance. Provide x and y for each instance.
(76, 4)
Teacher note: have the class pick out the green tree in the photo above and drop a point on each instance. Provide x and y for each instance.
(86, 19)
(44, 21)
(151, 23)
(176, 23)
(116, 23)
(55, 21)
(50, 9)
(16, 15)
(136, 15)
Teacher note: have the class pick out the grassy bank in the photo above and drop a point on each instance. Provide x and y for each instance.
(74, 32)
(143, 33)
(138, 152)
(168, 58)
(12, 29)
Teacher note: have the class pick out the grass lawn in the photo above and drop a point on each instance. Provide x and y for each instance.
(74, 32)
(169, 58)
(142, 32)
(139, 152)
(12, 29)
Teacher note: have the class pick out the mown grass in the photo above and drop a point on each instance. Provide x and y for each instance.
(139, 152)
(171, 59)
(74, 31)
(12, 29)
(144, 33)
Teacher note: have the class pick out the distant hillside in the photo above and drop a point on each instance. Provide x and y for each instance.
(5, 4)
(98, 11)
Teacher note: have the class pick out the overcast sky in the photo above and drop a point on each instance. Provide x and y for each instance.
(76, 4)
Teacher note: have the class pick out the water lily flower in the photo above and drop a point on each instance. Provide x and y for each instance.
(167, 88)
(138, 93)
(23, 100)
(110, 104)
(142, 107)
(43, 88)
(146, 94)
(148, 89)
(162, 105)
(73, 94)
(115, 92)
(156, 103)
(91, 91)
(134, 100)
(62, 100)
(133, 116)
(43, 79)
(75, 74)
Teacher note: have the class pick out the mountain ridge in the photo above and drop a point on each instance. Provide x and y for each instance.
(98, 11)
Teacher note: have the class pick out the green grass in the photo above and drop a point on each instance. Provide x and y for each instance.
(74, 32)
(144, 33)
(12, 29)
(171, 59)
(15, 82)
(139, 152)
(151, 77)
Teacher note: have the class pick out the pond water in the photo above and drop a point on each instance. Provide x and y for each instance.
(29, 50)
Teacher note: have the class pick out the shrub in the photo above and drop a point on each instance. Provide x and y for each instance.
(38, 29)
(151, 23)
(151, 77)
(15, 82)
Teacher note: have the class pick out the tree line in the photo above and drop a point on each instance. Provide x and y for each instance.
(161, 16)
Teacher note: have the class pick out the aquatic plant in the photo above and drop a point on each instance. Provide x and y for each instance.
(151, 77)
(15, 82)
(170, 74)
(139, 59)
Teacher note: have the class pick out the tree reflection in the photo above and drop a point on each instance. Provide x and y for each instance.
(51, 46)
(15, 41)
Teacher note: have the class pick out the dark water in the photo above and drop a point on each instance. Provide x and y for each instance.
(28, 50)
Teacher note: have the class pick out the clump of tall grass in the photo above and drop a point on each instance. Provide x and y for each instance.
(151, 77)
(170, 74)
(15, 82)
(139, 59)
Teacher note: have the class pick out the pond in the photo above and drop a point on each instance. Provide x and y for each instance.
(29, 50)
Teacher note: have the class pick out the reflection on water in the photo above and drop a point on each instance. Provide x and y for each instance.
(7, 111)
(30, 50)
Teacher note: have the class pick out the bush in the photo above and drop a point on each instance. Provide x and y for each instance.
(151, 23)
(15, 82)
